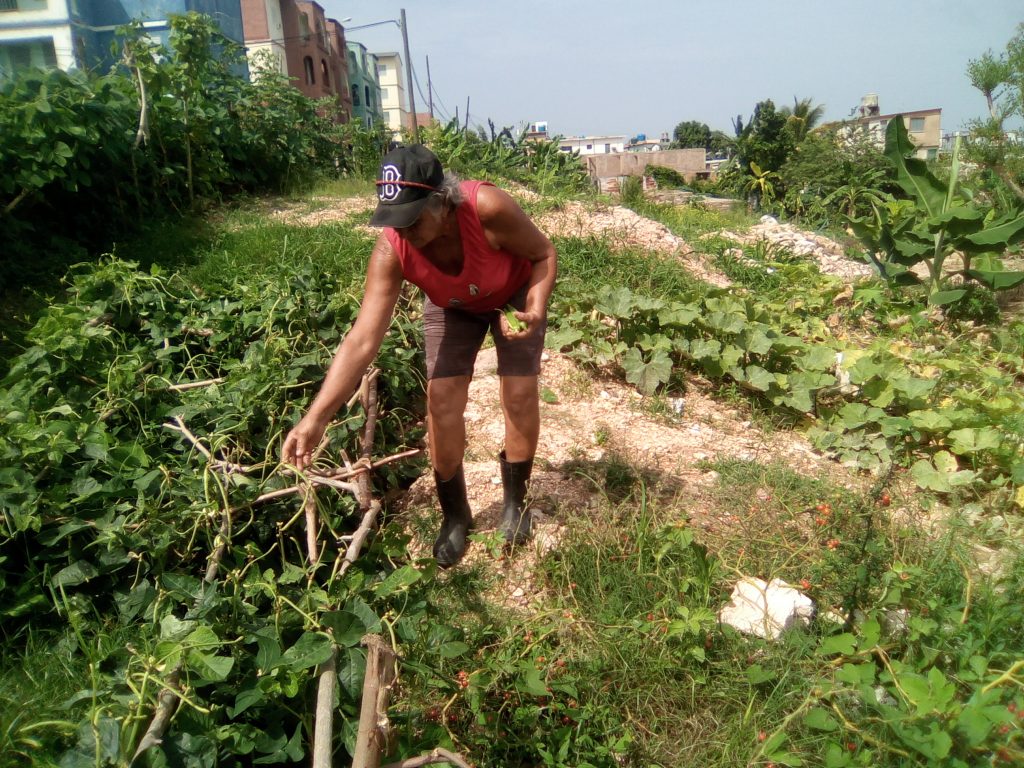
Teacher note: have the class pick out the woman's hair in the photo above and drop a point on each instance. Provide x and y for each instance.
(450, 191)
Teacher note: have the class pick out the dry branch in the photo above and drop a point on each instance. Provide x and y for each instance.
(372, 734)
(194, 384)
(167, 701)
(227, 466)
(431, 758)
(311, 527)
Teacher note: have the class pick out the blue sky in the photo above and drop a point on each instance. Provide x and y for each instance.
(602, 67)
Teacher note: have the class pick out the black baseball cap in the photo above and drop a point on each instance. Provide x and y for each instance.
(408, 175)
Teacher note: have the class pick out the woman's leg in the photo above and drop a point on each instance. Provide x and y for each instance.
(521, 405)
(446, 425)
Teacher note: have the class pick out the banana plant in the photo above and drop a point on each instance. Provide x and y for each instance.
(939, 220)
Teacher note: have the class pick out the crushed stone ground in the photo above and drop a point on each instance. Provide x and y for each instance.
(592, 421)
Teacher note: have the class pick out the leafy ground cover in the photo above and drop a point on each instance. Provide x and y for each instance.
(618, 657)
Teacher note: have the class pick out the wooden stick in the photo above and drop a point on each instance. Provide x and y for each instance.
(438, 755)
(323, 723)
(374, 725)
(311, 527)
(194, 384)
(323, 741)
(166, 702)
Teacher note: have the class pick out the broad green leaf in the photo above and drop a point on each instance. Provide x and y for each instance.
(77, 573)
(678, 315)
(820, 719)
(398, 581)
(759, 378)
(249, 695)
(366, 614)
(346, 628)
(845, 644)
(452, 650)
(351, 666)
(756, 674)
(647, 375)
(701, 349)
(970, 440)
(212, 668)
(931, 421)
(913, 388)
(942, 298)
(312, 649)
(997, 280)
(530, 682)
(912, 174)
(268, 652)
(818, 358)
(940, 474)
(618, 303)
(562, 337)
(1007, 231)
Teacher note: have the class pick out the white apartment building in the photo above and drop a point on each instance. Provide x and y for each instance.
(593, 145)
(35, 33)
(393, 99)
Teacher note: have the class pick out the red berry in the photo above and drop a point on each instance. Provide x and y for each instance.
(851, 746)
(805, 584)
(761, 735)
(885, 499)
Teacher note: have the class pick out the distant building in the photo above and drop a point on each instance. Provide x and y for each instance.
(393, 99)
(303, 44)
(640, 143)
(924, 126)
(593, 145)
(364, 84)
(79, 33)
(536, 131)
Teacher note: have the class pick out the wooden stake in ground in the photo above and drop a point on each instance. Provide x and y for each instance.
(374, 726)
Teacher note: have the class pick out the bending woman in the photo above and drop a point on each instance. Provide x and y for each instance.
(473, 251)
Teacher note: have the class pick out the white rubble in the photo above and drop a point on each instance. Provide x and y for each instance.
(829, 254)
(766, 609)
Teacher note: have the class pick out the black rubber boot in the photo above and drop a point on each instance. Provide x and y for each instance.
(515, 521)
(457, 519)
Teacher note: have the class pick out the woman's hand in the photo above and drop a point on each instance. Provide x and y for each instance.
(531, 321)
(302, 441)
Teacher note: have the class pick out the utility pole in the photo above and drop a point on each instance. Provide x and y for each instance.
(430, 90)
(408, 71)
(466, 128)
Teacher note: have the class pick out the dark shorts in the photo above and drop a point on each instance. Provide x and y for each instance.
(453, 337)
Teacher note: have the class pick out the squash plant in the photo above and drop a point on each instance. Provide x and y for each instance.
(940, 220)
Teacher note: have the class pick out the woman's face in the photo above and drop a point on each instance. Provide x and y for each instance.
(427, 228)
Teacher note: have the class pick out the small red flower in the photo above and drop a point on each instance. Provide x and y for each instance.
(761, 735)
(805, 584)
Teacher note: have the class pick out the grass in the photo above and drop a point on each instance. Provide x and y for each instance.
(632, 665)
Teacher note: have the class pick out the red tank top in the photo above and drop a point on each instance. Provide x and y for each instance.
(489, 277)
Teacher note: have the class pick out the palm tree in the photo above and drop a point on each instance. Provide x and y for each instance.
(803, 116)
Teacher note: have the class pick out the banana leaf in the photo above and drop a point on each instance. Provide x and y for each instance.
(912, 174)
(997, 280)
(998, 235)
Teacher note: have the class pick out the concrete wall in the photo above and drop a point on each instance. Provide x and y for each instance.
(688, 162)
